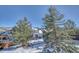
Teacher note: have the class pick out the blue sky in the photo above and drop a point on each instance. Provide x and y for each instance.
(9, 15)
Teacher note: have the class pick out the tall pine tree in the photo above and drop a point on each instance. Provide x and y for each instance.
(54, 34)
(22, 31)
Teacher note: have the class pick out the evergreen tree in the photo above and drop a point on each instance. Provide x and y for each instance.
(22, 31)
(54, 35)
(70, 27)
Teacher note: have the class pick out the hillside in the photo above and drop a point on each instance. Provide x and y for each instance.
(2, 29)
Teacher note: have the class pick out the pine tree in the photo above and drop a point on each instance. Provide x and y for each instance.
(70, 27)
(54, 34)
(22, 31)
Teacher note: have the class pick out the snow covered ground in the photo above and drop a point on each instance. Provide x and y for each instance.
(22, 50)
(34, 41)
(35, 47)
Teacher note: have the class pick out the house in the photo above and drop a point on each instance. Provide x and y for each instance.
(6, 39)
(37, 33)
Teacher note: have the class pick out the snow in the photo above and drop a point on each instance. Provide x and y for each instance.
(38, 40)
(22, 50)
(40, 32)
(35, 47)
